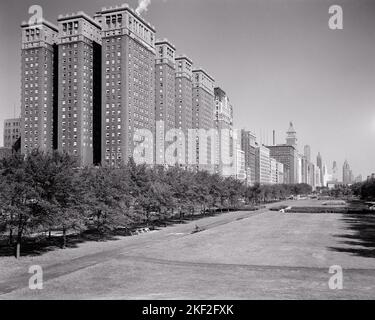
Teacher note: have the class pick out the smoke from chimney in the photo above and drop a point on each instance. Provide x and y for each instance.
(142, 6)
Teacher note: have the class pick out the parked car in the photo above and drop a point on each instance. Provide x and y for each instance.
(372, 208)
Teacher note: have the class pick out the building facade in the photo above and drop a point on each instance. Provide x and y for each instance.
(79, 51)
(12, 132)
(346, 173)
(128, 85)
(248, 145)
(183, 104)
(263, 168)
(273, 169)
(287, 155)
(38, 86)
(280, 173)
(319, 164)
(224, 141)
(203, 119)
(165, 99)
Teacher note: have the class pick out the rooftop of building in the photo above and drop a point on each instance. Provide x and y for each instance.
(282, 146)
(205, 72)
(184, 57)
(125, 7)
(219, 92)
(76, 15)
(12, 119)
(39, 22)
(165, 41)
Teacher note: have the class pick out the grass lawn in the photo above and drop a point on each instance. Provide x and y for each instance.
(262, 255)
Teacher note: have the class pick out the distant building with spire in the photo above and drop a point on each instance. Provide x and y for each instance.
(291, 138)
(287, 154)
(346, 173)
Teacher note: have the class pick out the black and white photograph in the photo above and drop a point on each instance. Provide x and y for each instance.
(187, 150)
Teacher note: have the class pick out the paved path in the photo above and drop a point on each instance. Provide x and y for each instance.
(243, 255)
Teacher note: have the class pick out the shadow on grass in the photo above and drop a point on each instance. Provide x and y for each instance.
(40, 245)
(43, 244)
(361, 241)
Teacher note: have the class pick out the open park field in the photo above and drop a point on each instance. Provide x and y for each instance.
(239, 255)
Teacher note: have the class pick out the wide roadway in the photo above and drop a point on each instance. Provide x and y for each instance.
(242, 255)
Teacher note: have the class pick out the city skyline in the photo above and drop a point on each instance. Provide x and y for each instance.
(250, 117)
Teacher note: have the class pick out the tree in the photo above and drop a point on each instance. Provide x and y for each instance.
(59, 190)
(18, 199)
(107, 197)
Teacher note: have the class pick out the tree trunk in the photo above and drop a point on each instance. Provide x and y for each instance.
(19, 239)
(18, 245)
(64, 238)
(10, 241)
(49, 234)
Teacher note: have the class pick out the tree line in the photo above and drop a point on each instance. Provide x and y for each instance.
(365, 190)
(46, 192)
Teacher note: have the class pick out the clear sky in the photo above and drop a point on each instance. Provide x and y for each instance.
(277, 60)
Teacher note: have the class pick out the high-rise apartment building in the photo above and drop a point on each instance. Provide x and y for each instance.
(248, 145)
(203, 119)
(79, 89)
(12, 131)
(38, 86)
(128, 82)
(183, 104)
(165, 115)
(223, 121)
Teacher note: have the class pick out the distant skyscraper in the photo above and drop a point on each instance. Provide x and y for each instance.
(128, 96)
(291, 139)
(184, 102)
(300, 177)
(304, 169)
(79, 45)
(327, 177)
(203, 118)
(335, 177)
(165, 82)
(307, 152)
(12, 131)
(287, 155)
(248, 145)
(311, 175)
(346, 173)
(319, 163)
(38, 98)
